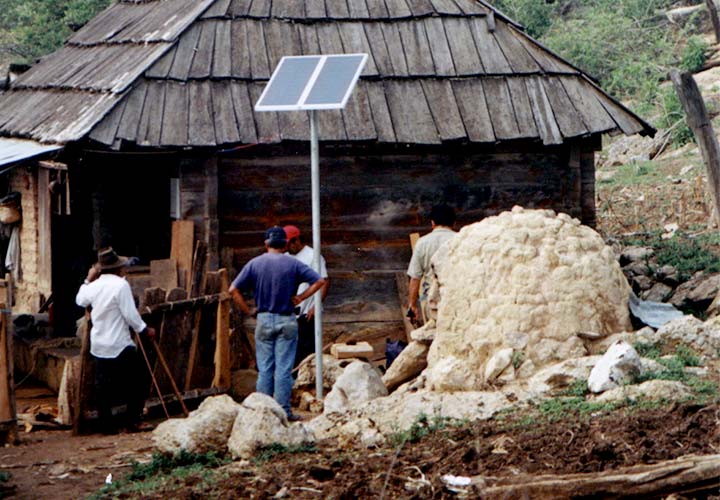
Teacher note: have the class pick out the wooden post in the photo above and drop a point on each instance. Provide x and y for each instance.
(44, 232)
(8, 416)
(222, 376)
(699, 121)
(712, 9)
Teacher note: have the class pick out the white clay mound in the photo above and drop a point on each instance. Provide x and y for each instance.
(529, 280)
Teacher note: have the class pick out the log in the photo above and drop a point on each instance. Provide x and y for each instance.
(192, 357)
(712, 9)
(699, 122)
(187, 304)
(685, 475)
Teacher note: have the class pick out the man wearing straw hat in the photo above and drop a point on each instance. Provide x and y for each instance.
(119, 376)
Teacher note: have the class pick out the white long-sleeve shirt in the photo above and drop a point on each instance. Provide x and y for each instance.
(113, 314)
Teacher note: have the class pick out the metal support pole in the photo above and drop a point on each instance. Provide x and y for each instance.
(315, 183)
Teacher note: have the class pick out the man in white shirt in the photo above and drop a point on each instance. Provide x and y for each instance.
(306, 309)
(442, 220)
(119, 376)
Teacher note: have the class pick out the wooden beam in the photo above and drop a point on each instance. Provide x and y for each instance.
(194, 344)
(712, 9)
(198, 269)
(402, 287)
(699, 122)
(222, 358)
(181, 250)
(53, 165)
(44, 232)
(184, 304)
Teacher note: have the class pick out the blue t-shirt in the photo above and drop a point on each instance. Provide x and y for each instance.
(275, 279)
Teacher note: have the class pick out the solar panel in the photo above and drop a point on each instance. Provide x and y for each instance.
(311, 82)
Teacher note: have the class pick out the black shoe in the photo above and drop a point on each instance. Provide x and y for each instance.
(294, 418)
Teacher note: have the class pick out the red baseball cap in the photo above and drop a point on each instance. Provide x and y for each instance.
(291, 232)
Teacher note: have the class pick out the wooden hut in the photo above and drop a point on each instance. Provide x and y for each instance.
(456, 104)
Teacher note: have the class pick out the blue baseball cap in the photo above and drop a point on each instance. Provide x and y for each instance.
(275, 236)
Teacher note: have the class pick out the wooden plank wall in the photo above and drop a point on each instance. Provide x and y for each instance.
(372, 202)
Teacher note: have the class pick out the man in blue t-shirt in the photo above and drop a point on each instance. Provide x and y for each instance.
(274, 277)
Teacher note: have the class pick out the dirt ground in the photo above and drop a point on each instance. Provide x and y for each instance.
(499, 447)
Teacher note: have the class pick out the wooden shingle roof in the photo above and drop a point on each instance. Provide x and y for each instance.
(187, 73)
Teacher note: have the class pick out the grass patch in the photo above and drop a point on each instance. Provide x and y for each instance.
(162, 469)
(423, 426)
(634, 173)
(687, 255)
(267, 453)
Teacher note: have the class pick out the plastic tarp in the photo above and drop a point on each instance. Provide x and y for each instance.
(16, 150)
(654, 314)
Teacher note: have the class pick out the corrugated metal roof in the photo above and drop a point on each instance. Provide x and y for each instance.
(17, 150)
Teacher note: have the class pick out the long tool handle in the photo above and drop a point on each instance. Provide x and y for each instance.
(165, 366)
(152, 375)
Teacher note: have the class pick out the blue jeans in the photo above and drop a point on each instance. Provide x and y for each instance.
(276, 338)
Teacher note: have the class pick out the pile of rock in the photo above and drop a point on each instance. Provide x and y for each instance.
(222, 425)
(656, 283)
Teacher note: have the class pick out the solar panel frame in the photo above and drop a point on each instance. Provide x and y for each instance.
(301, 103)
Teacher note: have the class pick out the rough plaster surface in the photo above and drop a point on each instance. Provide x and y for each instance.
(529, 272)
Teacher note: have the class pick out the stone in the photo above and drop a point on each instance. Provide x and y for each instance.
(498, 363)
(635, 254)
(658, 293)
(636, 269)
(408, 365)
(557, 377)
(697, 293)
(642, 283)
(242, 383)
(533, 272)
(617, 366)
(601, 345)
(669, 390)
(306, 399)
(205, 430)
(260, 422)
(704, 338)
(347, 351)
(423, 334)
(358, 384)
(668, 275)
(372, 423)
(332, 369)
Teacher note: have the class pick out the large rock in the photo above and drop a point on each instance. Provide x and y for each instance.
(260, 422)
(204, 430)
(703, 338)
(409, 364)
(619, 365)
(697, 293)
(358, 384)
(635, 254)
(332, 369)
(526, 271)
(669, 390)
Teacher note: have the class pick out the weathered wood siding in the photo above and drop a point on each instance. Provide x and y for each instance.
(371, 202)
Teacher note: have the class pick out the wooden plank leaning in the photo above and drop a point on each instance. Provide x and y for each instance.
(8, 415)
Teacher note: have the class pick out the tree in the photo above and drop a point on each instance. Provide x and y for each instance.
(30, 29)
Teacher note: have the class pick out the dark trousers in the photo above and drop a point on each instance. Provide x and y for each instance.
(306, 338)
(120, 381)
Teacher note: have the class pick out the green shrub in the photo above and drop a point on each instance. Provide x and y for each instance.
(421, 427)
(694, 55)
(162, 464)
(267, 453)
